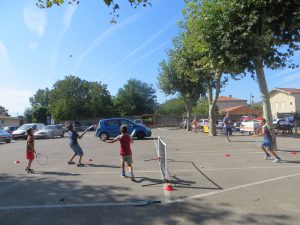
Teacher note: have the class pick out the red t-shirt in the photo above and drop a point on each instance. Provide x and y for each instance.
(125, 141)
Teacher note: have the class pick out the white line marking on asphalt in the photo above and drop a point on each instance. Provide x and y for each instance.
(233, 188)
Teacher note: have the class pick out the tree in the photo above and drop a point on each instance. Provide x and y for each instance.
(253, 35)
(74, 99)
(3, 111)
(135, 98)
(39, 114)
(115, 6)
(28, 115)
(174, 106)
(202, 107)
(40, 98)
(175, 77)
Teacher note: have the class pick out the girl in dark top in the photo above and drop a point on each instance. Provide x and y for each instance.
(73, 136)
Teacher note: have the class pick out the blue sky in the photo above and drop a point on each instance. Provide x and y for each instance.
(36, 45)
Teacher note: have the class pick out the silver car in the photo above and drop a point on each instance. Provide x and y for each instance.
(50, 131)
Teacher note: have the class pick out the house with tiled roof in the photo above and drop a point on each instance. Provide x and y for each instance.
(229, 102)
(241, 110)
(284, 100)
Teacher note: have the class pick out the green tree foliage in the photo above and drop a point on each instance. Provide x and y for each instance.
(256, 106)
(39, 114)
(28, 114)
(252, 35)
(110, 3)
(40, 98)
(3, 111)
(73, 99)
(135, 98)
(177, 76)
(173, 106)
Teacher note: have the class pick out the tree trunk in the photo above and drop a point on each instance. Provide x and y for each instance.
(189, 108)
(264, 93)
(212, 104)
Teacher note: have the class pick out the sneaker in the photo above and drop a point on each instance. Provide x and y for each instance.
(29, 170)
(71, 163)
(277, 160)
(131, 176)
(122, 174)
(80, 165)
(267, 156)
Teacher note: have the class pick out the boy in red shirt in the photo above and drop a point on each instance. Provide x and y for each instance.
(125, 151)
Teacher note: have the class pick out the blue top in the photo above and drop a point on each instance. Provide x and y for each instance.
(267, 134)
(226, 121)
(73, 137)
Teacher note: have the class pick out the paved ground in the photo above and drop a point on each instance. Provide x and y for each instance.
(215, 183)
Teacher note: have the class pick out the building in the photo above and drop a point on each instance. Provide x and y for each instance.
(224, 102)
(9, 121)
(241, 110)
(284, 101)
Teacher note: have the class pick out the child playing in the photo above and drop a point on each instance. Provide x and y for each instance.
(266, 145)
(73, 136)
(125, 151)
(30, 150)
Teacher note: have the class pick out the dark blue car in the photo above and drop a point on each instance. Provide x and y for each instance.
(111, 128)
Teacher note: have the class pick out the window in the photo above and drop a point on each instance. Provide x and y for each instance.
(127, 123)
(112, 123)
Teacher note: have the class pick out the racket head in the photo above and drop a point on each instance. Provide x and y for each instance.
(144, 202)
(41, 159)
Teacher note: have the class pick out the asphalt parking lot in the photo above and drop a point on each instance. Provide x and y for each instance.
(215, 183)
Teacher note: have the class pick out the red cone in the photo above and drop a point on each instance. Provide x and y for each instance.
(17, 161)
(90, 160)
(293, 153)
(168, 187)
(227, 155)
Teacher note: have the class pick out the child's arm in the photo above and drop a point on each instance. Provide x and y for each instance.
(81, 135)
(111, 141)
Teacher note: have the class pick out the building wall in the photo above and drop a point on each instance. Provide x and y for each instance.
(282, 103)
(9, 121)
(228, 104)
(297, 102)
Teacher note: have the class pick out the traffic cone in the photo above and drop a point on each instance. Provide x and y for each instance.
(17, 161)
(90, 159)
(227, 155)
(294, 153)
(168, 187)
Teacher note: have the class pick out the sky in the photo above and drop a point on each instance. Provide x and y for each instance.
(38, 47)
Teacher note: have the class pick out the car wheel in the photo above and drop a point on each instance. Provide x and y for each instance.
(8, 141)
(52, 135)
(103, 136)
(140, 135)
(63, 134)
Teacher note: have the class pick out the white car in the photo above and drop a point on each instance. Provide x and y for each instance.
(50, 131)
(21, 132)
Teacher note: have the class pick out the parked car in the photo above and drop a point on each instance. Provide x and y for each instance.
(111, 128)
(5, 137)
(10, 129)
(21, 132)
(183, 124)
(50, 131)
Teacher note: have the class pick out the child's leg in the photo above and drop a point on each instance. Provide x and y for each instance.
(130, 168)
(80, 158)
(273, 153)
(29, 164)
(72, 158)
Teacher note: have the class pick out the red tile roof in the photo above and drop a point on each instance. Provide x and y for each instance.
(229, 99)
(289, 90)
(241, 109)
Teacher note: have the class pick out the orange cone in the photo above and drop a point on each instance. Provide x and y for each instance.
(90, 159)
(17, 161)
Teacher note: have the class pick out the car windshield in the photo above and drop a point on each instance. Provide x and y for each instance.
(49, 127)
(25, 126)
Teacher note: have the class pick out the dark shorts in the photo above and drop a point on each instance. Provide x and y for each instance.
(227, 131)
(267, 143)
(77, 149)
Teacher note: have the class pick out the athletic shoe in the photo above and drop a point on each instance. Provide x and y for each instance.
(80, 165)
(267, 156)
(122, 174)
(276, 160)
(131, 176)
(71, 163)
(29, 170)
